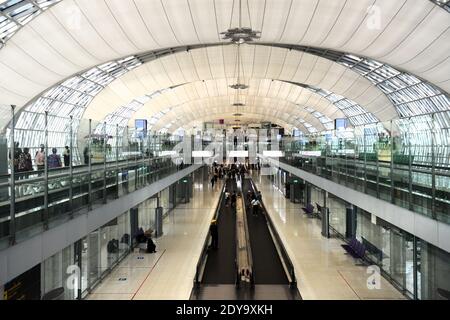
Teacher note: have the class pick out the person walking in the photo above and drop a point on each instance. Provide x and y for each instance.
(255, 206)
(233, 199)
(54, 160)
(227, 198)
(214, 231)
(213, 180)
(66, 156)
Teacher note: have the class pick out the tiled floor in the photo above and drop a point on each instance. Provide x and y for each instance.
(168, 274)
(322, 268)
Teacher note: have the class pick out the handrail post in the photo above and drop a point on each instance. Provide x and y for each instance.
(71, 168)
(90, 166)
(117, 161)
(45, 215)
(104, 162)
(12, 180)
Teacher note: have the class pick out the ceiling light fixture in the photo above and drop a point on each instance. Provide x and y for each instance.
(240, 35)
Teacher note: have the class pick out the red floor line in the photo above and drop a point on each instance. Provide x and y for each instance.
(349, 284)
(148, 274)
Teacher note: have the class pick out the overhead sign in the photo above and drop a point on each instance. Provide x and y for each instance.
(238, 154)
(202, 154)
(273, 153)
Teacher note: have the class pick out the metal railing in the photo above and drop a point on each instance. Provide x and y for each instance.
(286, 260)
(244, 257)
(204, 253)
(31, 201)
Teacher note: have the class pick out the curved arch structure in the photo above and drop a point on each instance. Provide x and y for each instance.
(370, 73)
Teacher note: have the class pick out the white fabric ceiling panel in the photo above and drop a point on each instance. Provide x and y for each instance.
(131, 22)
(187, 66)
(160, 74)
(326, 14)
(200, 87)
(16, 83)
(320, 71)
(211, 87)
(285, 90)
(152, 13)
(276, 62)
(223, 9)
(376, 19)
(215, 56)
(420, 39)
(360, 89)
(247, 58)
(352, 15)
(29, 68)
(294, 93)
(170, 63)
(334, 74)
(384, 113)
(179, 17)
(201, 61)
(145, 78)
(346, 81)
(327, 108)
(438, 68)
(261, 60)
(204, 20)
(44, 56)
(165, 72)
(80, 29)
(398, 30)
(295, 27)
(291, 63)
(105, 24)
(305, 68)
(274, 15)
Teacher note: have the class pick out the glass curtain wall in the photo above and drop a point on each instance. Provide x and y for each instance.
(405, 161)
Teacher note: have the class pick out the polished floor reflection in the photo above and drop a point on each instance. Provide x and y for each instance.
(323, 269)
(168, 274)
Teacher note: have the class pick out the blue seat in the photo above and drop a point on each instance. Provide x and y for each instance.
(355, 248)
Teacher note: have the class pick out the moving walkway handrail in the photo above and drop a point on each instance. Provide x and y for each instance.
(245, 264)
(282, 250)
(204, 252)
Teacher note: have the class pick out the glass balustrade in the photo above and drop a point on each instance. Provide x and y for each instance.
(43, 183)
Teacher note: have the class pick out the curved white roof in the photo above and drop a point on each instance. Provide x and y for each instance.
(343, 40)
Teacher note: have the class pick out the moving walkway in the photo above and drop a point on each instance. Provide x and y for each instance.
(251, 262)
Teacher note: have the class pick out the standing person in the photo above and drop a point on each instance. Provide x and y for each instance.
(213, 180)
(213, 229)
(54, 160)
(227, 197)
(66, 156)
(16, 158)
(25, 163)
(39, 158)
(233, 199)
(259, 196)
(255, 206)
(86, 155)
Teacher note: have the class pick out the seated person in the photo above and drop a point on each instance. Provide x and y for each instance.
(151, 247)
(140, 236)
